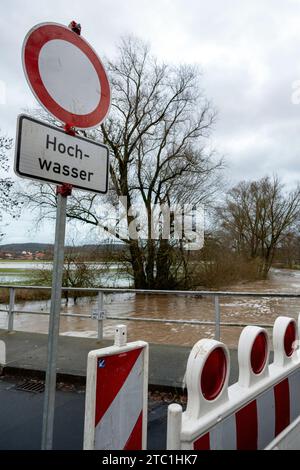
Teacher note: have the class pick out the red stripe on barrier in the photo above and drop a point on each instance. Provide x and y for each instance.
(112, 372)
(246, 427)
(202, 443)
(282, 406)
(135, 440)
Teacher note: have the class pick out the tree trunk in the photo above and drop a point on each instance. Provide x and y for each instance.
(150, 252)
(164, 278)
(136, 255)
(267, 263)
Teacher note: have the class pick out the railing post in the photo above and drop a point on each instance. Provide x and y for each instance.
(11, 309)
(100, 315)
(217, 318)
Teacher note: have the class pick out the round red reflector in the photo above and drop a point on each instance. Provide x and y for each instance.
(289, 338)
(259, 353)
(214, 374)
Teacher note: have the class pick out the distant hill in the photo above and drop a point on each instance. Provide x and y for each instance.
(32, 247)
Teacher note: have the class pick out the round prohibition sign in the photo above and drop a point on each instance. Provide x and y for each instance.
(66, 75)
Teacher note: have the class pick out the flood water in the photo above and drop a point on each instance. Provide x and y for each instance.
(23, 273)
(233, 309)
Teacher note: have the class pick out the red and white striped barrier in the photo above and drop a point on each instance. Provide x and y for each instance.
(116, 396)
(253, 411)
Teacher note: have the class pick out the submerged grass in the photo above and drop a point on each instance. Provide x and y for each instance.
(23, 295)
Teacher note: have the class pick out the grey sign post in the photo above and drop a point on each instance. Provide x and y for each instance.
(58, 265)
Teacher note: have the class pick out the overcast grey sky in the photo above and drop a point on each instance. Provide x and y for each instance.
(248, 51)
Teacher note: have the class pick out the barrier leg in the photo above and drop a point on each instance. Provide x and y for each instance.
(174, 427)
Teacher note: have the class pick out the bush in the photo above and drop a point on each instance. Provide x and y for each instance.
(217, 266)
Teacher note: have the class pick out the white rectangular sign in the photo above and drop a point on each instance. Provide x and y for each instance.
(49, 154)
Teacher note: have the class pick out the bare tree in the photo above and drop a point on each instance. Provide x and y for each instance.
(258, 215)
(157, 132)
(77, 273)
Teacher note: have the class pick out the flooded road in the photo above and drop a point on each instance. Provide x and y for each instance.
(233, 309)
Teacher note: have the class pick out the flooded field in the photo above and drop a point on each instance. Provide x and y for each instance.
(233, 309)
(26, 272)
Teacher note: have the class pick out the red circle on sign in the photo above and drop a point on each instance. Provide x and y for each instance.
(259, 353)
(214, 374)
(38, 37)
(289, 338)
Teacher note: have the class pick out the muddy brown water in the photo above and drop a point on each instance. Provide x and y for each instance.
(233, 309)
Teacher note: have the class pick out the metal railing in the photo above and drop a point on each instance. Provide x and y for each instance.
(99, 315)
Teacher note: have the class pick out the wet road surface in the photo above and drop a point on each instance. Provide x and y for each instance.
(21, 419)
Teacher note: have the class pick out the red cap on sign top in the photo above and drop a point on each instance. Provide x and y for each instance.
(66, 75)
(76, 27)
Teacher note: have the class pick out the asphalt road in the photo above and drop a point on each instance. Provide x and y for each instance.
(21, 419)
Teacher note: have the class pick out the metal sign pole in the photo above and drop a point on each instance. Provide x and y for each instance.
(58, 265)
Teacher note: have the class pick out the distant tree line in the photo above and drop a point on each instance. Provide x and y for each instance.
(260, 218)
